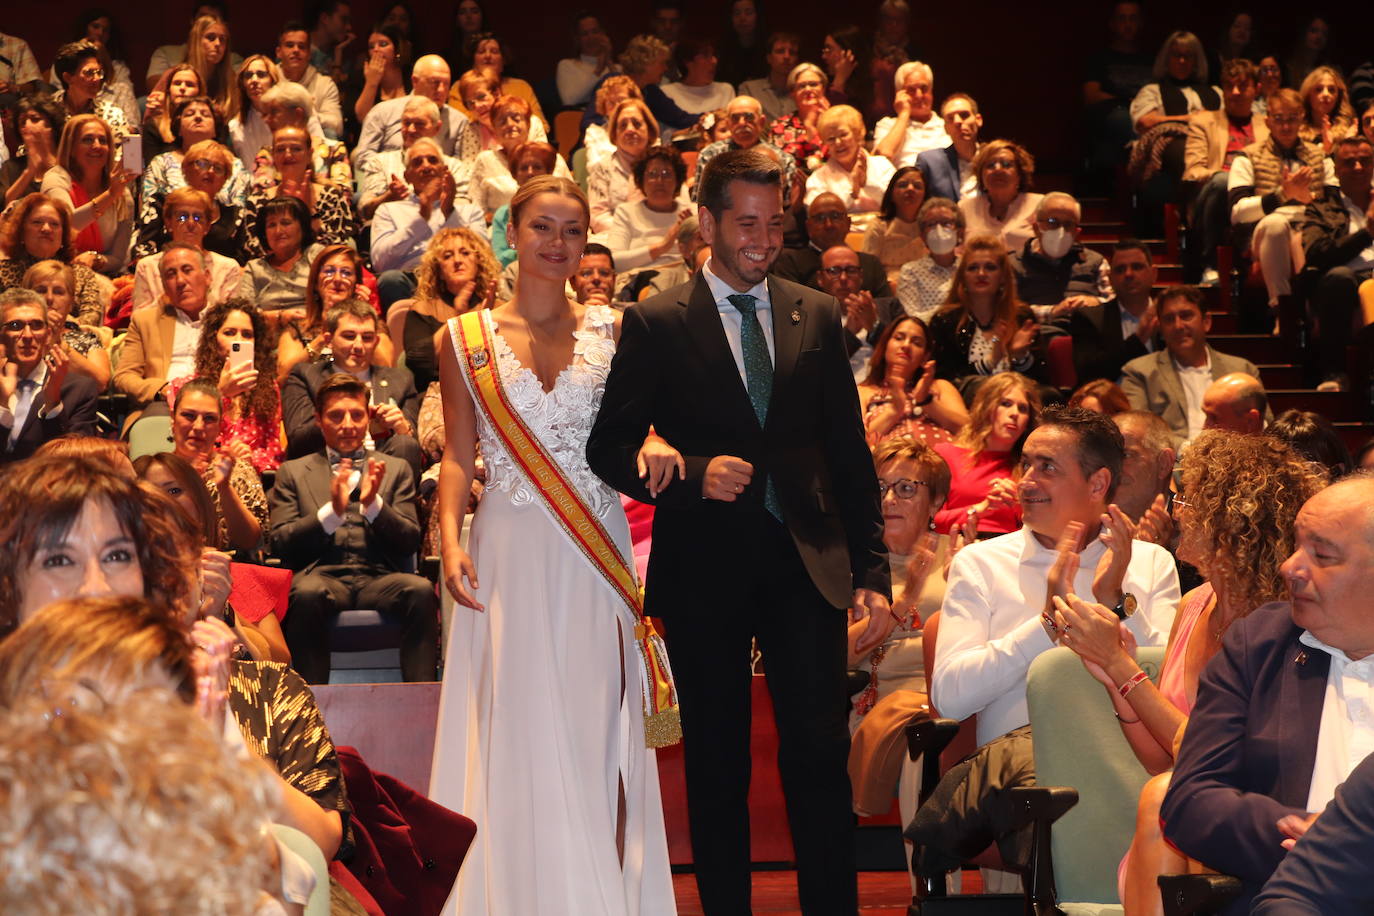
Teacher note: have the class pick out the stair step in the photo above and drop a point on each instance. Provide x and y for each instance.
(1355, 434)
(1336, 406)
(1224, 322)
(1280, 376)
(1258, 348)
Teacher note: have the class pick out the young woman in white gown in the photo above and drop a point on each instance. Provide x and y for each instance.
(541, 734)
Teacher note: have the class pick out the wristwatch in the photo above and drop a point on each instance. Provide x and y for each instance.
(1125, 607)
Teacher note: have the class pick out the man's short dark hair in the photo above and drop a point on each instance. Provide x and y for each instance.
(1190, 293)
(355, 308)
(779, 37)
(1347, 142)
(734, 165)
(1132, 245)
(292, 25)
(598, 248)
(1100, 443)
(71, 56)
(339, 385)
(315, 10)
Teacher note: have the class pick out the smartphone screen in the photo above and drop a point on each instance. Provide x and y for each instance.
(131, 155)
(240, 352)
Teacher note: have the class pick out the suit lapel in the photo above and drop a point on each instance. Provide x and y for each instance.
(317, 480)
(1169, 376)
(787, 338)
(1111, 320)
(166, 338)
(1301, 699)
(708, 337)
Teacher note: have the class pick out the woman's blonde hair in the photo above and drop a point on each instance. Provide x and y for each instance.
(620, 84)
(241, 96)
(846, 115)
(164, 118)
(640, 53)
(429, 279)
(66, 154)
(650, 123)
(1243, 494)
(974, 436)
(47, 270)
(1006, 305)
(1194, 46)
(1342, 116)
(217, 81)
(934, 471)
(548, 184)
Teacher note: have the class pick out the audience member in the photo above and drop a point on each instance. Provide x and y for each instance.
(186, 215)
(382, 73)
(89, 181)
(39, 122)
(1100, 396)
(645, 60)
(1235, 42)
(1172, 382)
(165, 57)
(983, 327)
(18, 71)
(851, 173)
(381, 130)
(82, 81)
(333, 222)
(1003, 204)
(594, 282)
(205, 166)
(742, 51)
(1270, 81)
(996, 618)
(289, 104)
(1125, 327)
(490, 54)
(827, 225)
(1235, 402)
(403, 229)
(331, 32)
(179, 83)
(916, 127)
(923, 285)
(984, 458)
(596, 139)
(841, 275)
(773, 91)
(84, 345)
(293, 57)
(900, 397)
(1269, 186)
(248, 129)
(346, 551)
(798, 132)
(1238, 791)
(948, 170)
(1147, 472)
(493, 179)
(1215, 139)
(1327, 113)
(277, 281)
(697, 91)
(1313, 437)
(845, 53)
(379, 174)
(1112, 78)
(468, 21)
(337, 274)
(528, 160)
(894, 238)
(207, 49)
(40, 398)
(631, 129)
(1310, 50)
(36, 229)
(1337, 245)
(577, 76)
(746, 122)
(456, 274)
(1055, 273)
(643, 232)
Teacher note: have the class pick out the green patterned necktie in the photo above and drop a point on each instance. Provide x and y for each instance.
(758, 377)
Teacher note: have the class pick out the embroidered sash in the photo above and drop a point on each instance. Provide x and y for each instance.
(662, 725)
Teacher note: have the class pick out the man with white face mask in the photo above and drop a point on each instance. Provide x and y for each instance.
(1054, 273)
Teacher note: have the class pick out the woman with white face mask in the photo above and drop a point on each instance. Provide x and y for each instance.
(923, 284)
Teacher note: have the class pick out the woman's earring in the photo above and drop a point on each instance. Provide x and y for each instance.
(931, 524)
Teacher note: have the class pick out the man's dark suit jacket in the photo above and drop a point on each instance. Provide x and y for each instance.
(77, 417)
(940, 169)
(800, 265)
(1326, 237)
(673, 369)
(389, 542)
(298, 401)
(1099, 350)
(1247, 754)
(888, 308)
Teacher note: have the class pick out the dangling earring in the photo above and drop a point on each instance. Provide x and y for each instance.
(930, 525)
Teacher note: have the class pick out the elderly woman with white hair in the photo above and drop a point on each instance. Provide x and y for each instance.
(856, 177)
(916, 127)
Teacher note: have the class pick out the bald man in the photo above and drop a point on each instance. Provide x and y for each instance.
(1236, 402)
(1281, 715)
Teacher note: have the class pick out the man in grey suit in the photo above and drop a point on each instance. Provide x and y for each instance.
(1173, 383)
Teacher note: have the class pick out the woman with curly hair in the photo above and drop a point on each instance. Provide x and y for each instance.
(252, 403)
(1003, 204)
(38, 229)
(1240, 499)
(983, 458)
(595, 139)
(1327, 113)
(983, 327)
(457, 274)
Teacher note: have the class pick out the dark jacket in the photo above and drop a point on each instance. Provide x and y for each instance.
(950, 341)
(298, 401)
(1326, 236)
(940, 169)
(1041, 280)
(1247, 754)
(673, 369)
(77, 417)
(801, 264)
(1099, 350)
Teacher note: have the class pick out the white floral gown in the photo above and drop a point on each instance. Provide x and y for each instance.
(540, 721)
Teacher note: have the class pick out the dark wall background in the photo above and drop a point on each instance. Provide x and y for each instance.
(1022, 61)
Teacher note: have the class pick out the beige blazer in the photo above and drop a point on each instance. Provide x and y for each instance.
(146, 354)
(1208, 133)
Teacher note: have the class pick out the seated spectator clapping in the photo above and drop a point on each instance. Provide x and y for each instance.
(84, 345)
(89, 179)
(900, 397)
(331, 206)
(37, 229)
(857, 178)
(186, 216)
(379, 174)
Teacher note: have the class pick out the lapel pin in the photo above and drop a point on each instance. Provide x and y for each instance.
(796, 316)
(1302, 658)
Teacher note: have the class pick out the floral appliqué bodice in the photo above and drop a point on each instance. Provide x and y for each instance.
(560, 419)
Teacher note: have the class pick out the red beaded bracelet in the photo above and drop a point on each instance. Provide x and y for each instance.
(1131, 683)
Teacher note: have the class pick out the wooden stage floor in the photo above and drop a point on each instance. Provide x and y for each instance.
(881, 893)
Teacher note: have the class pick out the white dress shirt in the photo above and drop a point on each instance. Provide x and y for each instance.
(733, 321)
(1195, 382)
(185, 336)
(15, 414)
(1346, 735)
(400, 234)
(990, 627)
(919, 138)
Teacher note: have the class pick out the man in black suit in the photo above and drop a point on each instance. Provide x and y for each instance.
(351, 335)
(774, 527)
(344, 519)
(1281, 710)
(1108, 336)
(840, 275)
(39, 398)
(827, 224)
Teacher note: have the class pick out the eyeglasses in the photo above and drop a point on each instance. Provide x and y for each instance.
(257, 74)
(1176, 503)
(92, 74)
(1003, 165)
(902, 489)
(343, 273)
(945, 223)
(208, 166)
(1055, 222)
(18, 325)
(749, 116)
(196, 218)
(660, 175)
(851, 270)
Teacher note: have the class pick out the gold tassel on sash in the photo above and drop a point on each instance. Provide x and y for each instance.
(662, 724)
